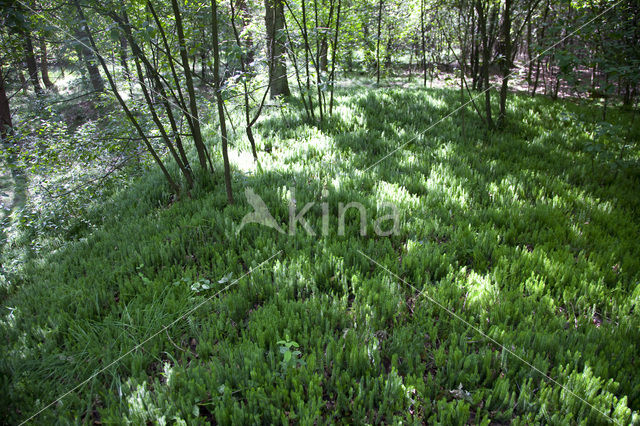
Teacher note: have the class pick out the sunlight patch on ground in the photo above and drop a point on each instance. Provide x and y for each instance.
(482, 291)
(243, 160)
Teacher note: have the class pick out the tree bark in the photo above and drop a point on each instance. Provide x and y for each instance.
(5, 112)
(274, 22)
(32, 65)
(324, 54)
(219, 101)
(44, 66)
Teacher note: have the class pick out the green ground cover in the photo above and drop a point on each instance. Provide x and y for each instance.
(529, 234)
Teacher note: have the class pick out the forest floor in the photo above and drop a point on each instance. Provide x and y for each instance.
(508, 292)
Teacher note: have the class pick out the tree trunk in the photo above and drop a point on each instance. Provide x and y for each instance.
(486, 57)
(219, 101)
(334, 50)
(192, 116)
(506, 61)
(243, 13)
(274, 21)
(324, 53)
(378, 42)
(529, 55)
(44, 66)
(124, 58)
(424, 48)
(536, 79)
(138, 55)
(540, 37)
(308, 111)
(5, 112)
(87, 53)
(243, 58)
(203, 57)
(473, 59)
(316, 62)
(411, 50)
(32, 65)
(388, 50)
(23, 81)
(627, 98)
(307, 49)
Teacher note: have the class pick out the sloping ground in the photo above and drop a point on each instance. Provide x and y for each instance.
(530, 235)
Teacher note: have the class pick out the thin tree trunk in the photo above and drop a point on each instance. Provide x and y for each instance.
(506, 61)
(334, 51)
(32, 65)
(155, 78)
(154, 115)
(324, 53)
(473, 60)
(244, 57)
(126, 109)
(389, 49)
(248, 129)
(411, 51)
(462, 63)
(138, 55)
(307, 49)
(243, 13)
(216, 83)
(292, 55)
(627, 99)
(317, 63)
(536, 79)
(23, 82)
(486, 56)
(124, 58)
(44, 66)
(193, 106)
(179, 99)
(378, 42)
(540, 36)
(203, 56)
(424, 48)
(529, 55)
